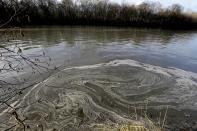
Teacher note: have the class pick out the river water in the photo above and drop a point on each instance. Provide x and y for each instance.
(109, 74)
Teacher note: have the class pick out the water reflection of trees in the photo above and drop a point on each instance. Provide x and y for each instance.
(46, 36)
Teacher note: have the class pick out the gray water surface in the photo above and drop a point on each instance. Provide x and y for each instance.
(108, 71)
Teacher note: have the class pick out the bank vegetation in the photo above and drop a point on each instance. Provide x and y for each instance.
(97, 13)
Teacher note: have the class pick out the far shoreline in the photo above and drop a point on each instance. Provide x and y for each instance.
(94, 26)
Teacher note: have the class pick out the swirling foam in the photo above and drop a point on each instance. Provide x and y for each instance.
(77, 97)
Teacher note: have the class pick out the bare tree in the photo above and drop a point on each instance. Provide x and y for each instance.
(176, 8)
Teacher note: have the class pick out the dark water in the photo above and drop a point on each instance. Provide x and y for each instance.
(109, 73)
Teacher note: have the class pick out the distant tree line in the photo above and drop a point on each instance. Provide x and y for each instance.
(86, 12)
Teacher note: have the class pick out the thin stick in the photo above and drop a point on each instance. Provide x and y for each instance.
(135, 112)
(159, 119)
(146, 106)
(164, 119)
(128, 110)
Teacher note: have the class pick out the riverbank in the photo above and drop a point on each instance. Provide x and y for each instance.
(103, 13)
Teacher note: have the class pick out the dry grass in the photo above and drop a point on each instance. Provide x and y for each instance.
(144, 124)
(127, 127)
(122, 127)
